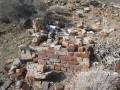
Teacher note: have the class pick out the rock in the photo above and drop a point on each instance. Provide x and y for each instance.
(36, 71)
(84, 55)
(86, 61)
(35, 41)
(81, 49)
(96, 3)
(96, 27)
(109, 30)
(37, 25)
(52, 45)
(15, 65)
(9, 61)
(29, 78)
(57, 47)
(70, 7)
(26, 55)
(64, 44)
(40, 48)
(57, 67)
(41, 76)
(59, 87)
(50, 67)
(80, 13)
(71, 48)
(45, 85)
(25, 86)
(88, 40)
(86, 9)
(30, 31)
(18, 84)
(80, 60)
(36, 34)
(53, 60)
(7, 84)
(37, 85)
(18, 72)
(117, 67)
(83, 32)
(40, 68)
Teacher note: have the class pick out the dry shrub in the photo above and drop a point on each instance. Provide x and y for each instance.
(95, 80)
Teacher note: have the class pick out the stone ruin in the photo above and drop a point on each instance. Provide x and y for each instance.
(55, 56)
(45, 59)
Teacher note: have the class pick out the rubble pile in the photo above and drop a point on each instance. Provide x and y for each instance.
(62, 51)
(58, 52)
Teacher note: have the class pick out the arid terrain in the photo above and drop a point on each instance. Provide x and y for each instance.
(60, 45)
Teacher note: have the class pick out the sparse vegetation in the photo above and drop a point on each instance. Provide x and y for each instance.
(79, 38)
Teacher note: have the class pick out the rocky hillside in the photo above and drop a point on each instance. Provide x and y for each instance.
(52, 44)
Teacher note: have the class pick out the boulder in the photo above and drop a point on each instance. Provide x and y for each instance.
(87, 9)
(26, 55)
(36, 71)
(88, 40)
(18, 84)
(6, 85)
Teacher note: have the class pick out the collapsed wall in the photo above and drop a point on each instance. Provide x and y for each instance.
(58, 52)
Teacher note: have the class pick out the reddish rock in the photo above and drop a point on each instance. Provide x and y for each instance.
(18, 72)
(71, 53)
(72, 62)
(84, 54)
(118, 66)
(57, 67)
(77, 54)
(64, 44)
(81, 49)
(76, 47)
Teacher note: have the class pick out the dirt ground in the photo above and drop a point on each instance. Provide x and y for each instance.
(10, 39)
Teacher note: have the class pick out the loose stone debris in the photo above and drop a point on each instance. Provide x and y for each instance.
(56, 54)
